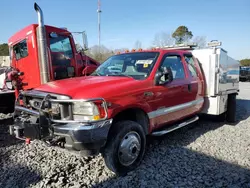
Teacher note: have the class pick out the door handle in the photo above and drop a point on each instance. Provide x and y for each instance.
(189, 87)
(148, 94)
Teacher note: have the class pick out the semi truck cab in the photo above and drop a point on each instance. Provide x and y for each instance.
(39, 54)
(47, 53)
(64, 61)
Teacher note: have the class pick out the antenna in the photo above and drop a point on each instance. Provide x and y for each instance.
(99, 23)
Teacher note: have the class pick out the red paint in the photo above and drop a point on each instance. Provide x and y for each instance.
(124, 93)
(30, 64)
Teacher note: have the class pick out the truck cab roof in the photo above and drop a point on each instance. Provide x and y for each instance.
(21, 34)
(162, 51)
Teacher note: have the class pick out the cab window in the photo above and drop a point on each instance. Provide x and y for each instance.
(191, 66)
(175, 64)
(20, 50)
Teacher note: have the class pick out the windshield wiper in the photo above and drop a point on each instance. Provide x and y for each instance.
(95, 74)
(120, 74)
(126, 75)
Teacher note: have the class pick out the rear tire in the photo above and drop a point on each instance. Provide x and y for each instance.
(125, 147)
(231, 108)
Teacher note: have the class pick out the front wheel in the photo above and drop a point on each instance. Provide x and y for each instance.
(125, 147)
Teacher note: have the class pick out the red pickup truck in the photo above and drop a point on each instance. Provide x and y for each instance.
(131, 95)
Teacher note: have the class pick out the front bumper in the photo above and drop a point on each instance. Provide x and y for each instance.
(87, 138)
(35, 119)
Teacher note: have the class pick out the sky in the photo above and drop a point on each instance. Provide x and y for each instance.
(125, 22)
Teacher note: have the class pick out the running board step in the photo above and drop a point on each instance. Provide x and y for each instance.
(174, 127)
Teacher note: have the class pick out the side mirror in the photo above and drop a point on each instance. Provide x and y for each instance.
(164, 76)
(85, 41)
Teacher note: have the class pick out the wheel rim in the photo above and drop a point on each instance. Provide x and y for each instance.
(129, 148)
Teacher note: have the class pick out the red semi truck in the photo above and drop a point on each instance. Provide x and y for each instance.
(39, 54)
(129, 96)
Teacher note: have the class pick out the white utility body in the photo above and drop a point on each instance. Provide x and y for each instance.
(221, 75)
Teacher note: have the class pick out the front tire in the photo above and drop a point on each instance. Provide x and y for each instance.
(125, 147)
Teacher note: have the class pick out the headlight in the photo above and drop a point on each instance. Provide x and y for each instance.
(55, 108)
(88, 110)
(84, 108)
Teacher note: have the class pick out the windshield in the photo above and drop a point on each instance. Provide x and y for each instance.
(244, 68)
(61, 50)
(61, 44)
(136, 65)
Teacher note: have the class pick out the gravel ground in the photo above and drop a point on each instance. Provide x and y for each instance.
(209, 154)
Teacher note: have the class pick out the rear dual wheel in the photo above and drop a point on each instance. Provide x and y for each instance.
(230, 114)
(231, 108)
(125, 147)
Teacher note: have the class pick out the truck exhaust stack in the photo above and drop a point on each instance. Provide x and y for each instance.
(42, 46)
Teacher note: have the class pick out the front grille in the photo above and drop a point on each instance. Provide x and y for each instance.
(243, 72)
(33, 101)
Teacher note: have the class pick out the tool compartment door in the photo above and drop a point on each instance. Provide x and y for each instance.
(221, 71)
(227, 74)
(208, 66)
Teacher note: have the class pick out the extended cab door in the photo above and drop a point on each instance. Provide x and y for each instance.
(176, 98)
(197, 81)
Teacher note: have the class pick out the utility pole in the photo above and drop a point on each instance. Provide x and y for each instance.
(99, 24)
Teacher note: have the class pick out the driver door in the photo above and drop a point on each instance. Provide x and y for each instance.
(171, 97)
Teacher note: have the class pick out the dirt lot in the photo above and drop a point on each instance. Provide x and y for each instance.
(209, 154)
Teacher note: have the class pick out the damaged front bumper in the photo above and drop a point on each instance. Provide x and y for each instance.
(86, 137)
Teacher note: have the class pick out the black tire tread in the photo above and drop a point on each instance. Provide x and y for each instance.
(116, 133)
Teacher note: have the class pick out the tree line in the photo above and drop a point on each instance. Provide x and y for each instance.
(181, 35)
(4, 49)
(245, 62)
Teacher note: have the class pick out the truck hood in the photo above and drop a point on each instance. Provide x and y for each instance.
(92, 86)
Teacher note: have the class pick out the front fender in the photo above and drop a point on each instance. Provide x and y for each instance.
(126, 102)
(129, 102)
